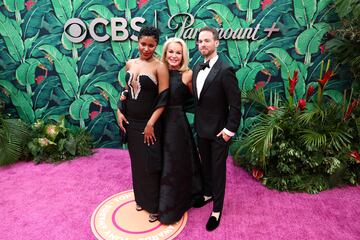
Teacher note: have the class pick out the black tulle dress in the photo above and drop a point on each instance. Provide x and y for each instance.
(146, 161)
(180, 179)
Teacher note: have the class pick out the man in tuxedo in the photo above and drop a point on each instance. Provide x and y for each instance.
(217, 118)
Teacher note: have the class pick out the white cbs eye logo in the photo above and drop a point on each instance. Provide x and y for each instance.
(75, 30)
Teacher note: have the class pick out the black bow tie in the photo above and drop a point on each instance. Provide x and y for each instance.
(204, 65)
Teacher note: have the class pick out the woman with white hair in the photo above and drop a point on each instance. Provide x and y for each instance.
(180, 179)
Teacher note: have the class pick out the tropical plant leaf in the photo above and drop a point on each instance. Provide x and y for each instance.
(14, 136)
(178, 6)
(97, 126)
(89, 86)
(33, 19)
(121, 77)
(288, 67)
(63, 9)
(248, 6)
(334, 95)
(14, 5)
(111, 92)
(238, 49)
(23, 105)
(121, 49)
(79, 109)
(308, 42)
(304, 11)
(25, 73)
(90, 58)
(52, 39)
(247, 75)
(9, 87)
(11, 32)
(44, 91)
(125, 4)
(65, 69)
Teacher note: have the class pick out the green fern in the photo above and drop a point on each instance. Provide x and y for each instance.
(14, 135)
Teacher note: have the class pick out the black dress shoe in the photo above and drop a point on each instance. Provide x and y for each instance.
(200, 202)
(212, 223)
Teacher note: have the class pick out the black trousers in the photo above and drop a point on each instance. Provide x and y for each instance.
(213, 154)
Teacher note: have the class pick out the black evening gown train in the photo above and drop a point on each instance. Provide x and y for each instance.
(146, 161)
(180, 179)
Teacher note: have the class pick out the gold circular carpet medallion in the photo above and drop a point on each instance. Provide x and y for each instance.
(117, 218)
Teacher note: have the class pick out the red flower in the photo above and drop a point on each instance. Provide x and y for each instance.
(302, 104)
(29, 4)
(141, 2)
(93, 114)
(39, 79)
(322, 48)
(259, 85)
(257, 173)
(310, 92)
(265, 3)
(351, 108)
(292, 83)
(271, 108)
(326, 78)
(87, 42)
(355, 154)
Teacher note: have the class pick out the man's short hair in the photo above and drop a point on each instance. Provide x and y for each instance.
(210, 29)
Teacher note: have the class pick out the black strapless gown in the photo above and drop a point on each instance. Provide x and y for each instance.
(146, 161)
(180, 179)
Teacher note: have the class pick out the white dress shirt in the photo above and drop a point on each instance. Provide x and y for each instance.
(200, 81)
(202, 75)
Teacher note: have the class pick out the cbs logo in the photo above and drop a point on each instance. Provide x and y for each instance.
(76, 30)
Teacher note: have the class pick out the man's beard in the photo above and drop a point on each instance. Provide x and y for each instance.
(208, 53)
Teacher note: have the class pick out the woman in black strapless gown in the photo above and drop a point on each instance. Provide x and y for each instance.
(180, 179)
(147, 84)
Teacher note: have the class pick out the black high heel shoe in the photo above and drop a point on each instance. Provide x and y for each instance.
(138, 208)
(153, 217)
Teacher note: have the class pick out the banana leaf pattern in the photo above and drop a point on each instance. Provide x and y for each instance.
(45, 76)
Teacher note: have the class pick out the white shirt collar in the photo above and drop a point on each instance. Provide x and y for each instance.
(213, 61)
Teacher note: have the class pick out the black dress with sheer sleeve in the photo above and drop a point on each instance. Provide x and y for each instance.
(146, 160)
(180, 179)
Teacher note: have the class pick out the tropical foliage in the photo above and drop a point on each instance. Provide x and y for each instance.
(346, 37)
(56, 142)
(14, 135)
(310, 145)
(44, 76)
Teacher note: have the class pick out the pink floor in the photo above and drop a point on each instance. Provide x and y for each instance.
(55, 201)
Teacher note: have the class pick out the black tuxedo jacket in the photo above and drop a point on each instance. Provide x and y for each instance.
(219, 103)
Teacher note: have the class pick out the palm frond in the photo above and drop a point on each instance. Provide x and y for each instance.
(14, 136)
(313, 139)
(339, 139)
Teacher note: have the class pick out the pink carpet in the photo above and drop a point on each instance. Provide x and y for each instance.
(50, 201)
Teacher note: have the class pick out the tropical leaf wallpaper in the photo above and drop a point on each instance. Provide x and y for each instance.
(45, 76)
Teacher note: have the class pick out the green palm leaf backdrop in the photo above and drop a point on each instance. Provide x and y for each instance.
(45, 76)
